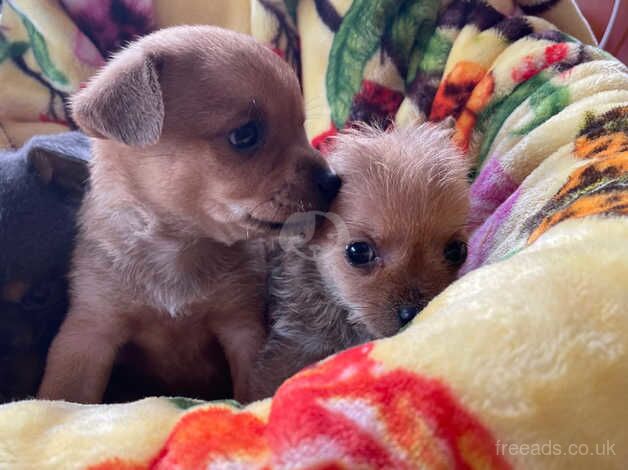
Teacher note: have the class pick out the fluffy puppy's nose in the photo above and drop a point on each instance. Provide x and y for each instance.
(328, 183)
(406, 313)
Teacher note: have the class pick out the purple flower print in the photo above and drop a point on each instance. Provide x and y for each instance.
(483, 239)
(85, 51)
(492, 187)
(109, 24)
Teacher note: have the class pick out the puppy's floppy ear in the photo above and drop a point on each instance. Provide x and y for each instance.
(61, 159)
(124, 101)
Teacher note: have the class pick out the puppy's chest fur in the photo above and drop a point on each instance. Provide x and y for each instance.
(170, 356)
(168, 298)
(302, 310)
(132, 254)
(307, 323)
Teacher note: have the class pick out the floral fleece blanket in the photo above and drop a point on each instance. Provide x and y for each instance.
(522, 363)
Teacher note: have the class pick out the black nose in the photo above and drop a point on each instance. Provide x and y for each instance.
(406, 313)
(328, 183)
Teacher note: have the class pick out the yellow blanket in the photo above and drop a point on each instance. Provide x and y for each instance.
(522, 363)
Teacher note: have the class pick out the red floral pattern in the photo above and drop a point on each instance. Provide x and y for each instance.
(45, 118)
(213, 434)
(373, 104)
(533, 64)
(386, 100)
(322, 142)
(347, 412)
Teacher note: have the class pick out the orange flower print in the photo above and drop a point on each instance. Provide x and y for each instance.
(465, 91)
(603, 146)
(599, 186)
(455, 90)
(214, 435)
(594, 204)
(118, 464)
(594, 189)
(480, 97)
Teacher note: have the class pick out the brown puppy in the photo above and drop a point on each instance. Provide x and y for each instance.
(395, 239)
(199, 146)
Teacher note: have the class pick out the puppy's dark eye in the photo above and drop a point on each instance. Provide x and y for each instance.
(455, 252)
(360, 254)
(245, 137)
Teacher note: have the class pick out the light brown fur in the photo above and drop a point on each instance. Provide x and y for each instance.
(405, 192)
(168, 262)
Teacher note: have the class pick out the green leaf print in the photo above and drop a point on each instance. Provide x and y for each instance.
(291, 7)
(545, 103)
(18, 48)
(427, 12)
(4, 48)
(186, 403)
(490, 120)
(402, 31)
(40, 50)
(408, 34)
(354, 44)
(436, 53)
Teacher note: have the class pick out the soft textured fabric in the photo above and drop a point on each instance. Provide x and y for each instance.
(521, 363)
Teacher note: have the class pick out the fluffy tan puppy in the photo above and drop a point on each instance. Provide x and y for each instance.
(199, 145)
(395, 239)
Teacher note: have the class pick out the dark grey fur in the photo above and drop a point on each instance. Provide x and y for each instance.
(38, 212)
(306, 323)
(41, 187)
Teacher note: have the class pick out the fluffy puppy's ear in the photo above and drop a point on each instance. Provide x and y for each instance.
(124, 101)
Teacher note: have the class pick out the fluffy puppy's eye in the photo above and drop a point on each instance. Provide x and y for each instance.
(360, 254)
(455, 252)
(245, 137)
